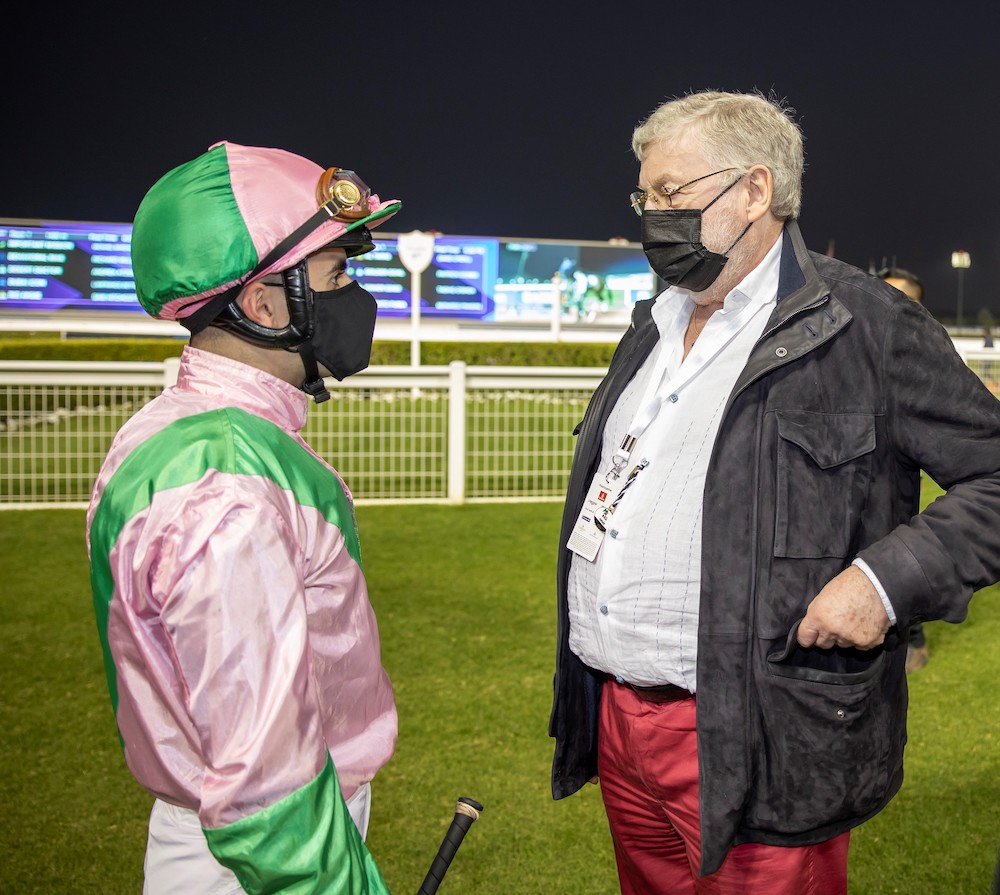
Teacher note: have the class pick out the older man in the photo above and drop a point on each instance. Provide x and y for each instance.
(741, 546)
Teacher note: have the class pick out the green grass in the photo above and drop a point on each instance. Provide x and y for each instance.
(465, 602)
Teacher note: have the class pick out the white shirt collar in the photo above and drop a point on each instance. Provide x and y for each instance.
(674, 305)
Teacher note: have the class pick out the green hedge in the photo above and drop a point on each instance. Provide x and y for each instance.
(84, 349)
(502, 354)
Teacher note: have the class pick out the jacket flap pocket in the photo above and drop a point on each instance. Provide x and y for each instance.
(829, 438)
(838, 665)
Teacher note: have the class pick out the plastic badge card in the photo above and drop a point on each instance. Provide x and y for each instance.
(587, 536)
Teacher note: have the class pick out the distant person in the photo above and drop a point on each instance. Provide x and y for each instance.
(917, 651)
(907, 283)
(742, 551)
(241, 650)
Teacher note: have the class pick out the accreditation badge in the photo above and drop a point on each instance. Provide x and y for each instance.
(588, 532)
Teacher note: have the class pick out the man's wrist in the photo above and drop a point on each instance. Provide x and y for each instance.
(873, 578)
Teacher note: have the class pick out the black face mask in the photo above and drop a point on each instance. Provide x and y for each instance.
(671, 240)
(343, 329)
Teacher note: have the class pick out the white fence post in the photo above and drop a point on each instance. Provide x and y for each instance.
(456, 431)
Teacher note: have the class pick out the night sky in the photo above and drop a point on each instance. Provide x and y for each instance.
(515, 119)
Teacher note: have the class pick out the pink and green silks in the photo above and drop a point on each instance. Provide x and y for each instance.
(240, 646)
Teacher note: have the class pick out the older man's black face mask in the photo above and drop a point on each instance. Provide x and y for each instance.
(671, 239)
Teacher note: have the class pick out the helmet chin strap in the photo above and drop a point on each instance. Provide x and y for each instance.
(313, 383)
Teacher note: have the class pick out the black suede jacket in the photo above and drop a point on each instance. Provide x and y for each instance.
(851, 390)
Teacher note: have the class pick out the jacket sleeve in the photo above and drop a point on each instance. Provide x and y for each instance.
(234, 612)
(944, 420)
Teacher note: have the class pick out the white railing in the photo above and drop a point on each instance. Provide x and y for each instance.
(985, 363)
(416, 434)
(449, 434)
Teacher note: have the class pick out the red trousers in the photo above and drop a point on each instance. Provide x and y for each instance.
(648, 767)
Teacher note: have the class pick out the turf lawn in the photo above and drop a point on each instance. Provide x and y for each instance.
(465, 602)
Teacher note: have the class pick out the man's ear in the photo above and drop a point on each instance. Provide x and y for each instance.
(264, 305)
(760, 191)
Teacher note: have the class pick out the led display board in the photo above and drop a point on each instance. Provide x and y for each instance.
(589, 279)
(62, 266)
(459, 281)
(54, 266)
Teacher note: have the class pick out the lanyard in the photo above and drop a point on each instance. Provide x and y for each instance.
(642, 421)
(601, 518)
(652, 401)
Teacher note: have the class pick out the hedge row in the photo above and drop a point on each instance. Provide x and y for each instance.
(503, 354)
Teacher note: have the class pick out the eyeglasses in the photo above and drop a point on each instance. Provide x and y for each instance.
(639, 198)
(343, 190)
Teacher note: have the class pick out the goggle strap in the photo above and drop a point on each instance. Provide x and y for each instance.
(327, 210)
(292, 240)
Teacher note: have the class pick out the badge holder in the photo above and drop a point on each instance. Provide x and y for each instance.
(598, 506)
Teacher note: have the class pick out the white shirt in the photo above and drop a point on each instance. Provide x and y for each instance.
(634, 610)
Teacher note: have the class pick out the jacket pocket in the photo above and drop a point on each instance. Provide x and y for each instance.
(822, 754)
(822, 477)
(825, 666)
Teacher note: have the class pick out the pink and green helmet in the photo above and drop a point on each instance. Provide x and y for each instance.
(237, 212)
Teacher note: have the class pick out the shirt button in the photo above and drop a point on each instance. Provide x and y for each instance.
(613, 532)
(673, 399)
(604, 610)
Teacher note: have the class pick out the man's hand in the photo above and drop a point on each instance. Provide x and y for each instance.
(847, 612)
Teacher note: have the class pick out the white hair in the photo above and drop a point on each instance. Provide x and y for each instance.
(736, 130)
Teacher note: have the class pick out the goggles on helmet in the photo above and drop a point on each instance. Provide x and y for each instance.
(343, 190)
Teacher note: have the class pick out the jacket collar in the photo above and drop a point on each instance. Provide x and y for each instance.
(230, 383)
(799, 283)
(790, 275)
(806, 315)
